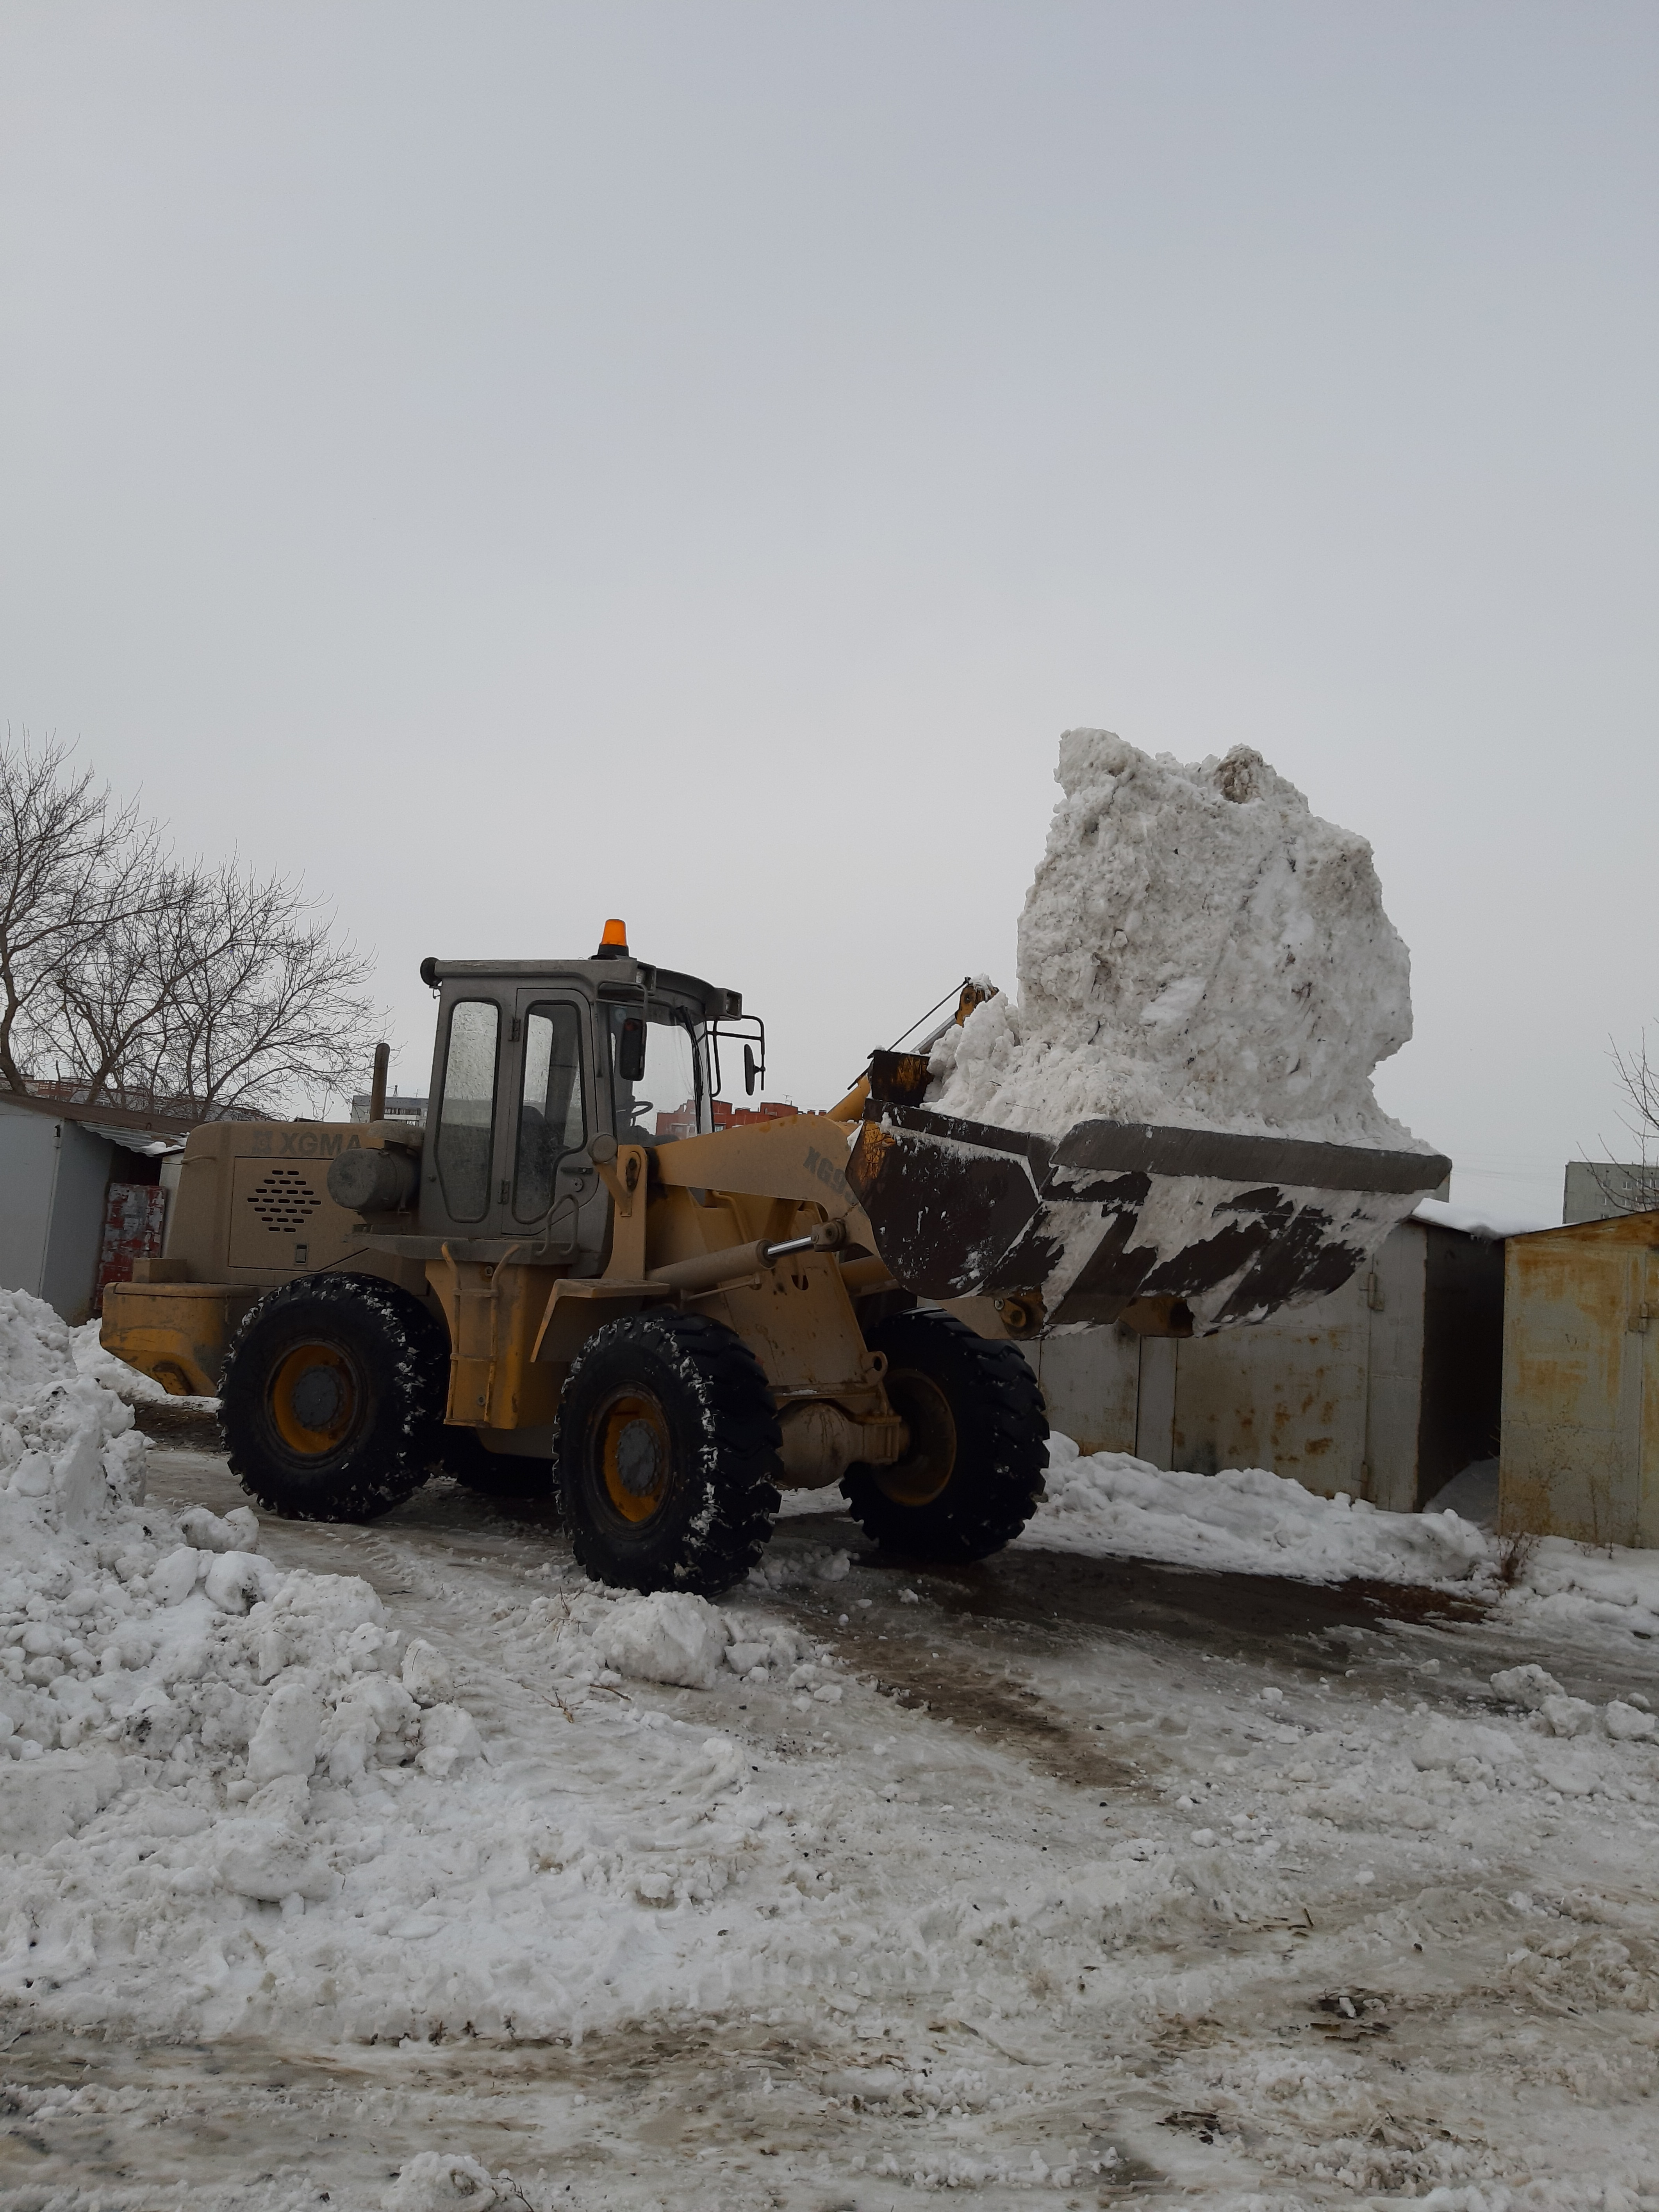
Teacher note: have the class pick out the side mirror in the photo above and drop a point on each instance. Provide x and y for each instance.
(630, 1049)
(750, 1071)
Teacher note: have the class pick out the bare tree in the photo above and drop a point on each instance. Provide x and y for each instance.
(149, 983)
(74, 865)
(269, 1003)
(1632, 1187)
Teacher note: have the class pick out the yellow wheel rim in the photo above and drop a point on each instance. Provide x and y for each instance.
(921, 1476)
(314, 1398)
(635, 1456)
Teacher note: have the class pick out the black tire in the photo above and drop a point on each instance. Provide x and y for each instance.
(491, 1474)
(331, 1401)
(666, 1457)
(978, 1446)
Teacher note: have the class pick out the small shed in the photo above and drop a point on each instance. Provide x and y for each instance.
(82, 1193)
(1385, 1389)
(1580, 1455)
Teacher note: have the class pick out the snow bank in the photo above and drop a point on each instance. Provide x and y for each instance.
(157, 1670)
(1244, 1520)
(66, 1444)
(1198, 948)
(236, 1800)
(1568, 1588)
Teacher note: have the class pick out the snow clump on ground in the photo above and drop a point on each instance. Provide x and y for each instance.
(1198, 949)
(432, 2180)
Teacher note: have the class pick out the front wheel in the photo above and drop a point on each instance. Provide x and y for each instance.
(332, 1397)
(666, 1458)
(979, 1439)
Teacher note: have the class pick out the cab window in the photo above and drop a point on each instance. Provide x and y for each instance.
(467, 1117)
(551, 1120)
(670, 1098)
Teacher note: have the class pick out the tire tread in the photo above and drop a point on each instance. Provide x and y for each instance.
(1002, 1450)
(409, 1352)
(716, 1546)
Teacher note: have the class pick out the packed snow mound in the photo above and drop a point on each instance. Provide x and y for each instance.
(243, 1720)
(159, 1668)
(239, 1801)
(207, 1666)
(1198, 949)
(67, 1448)
(1243, 1520)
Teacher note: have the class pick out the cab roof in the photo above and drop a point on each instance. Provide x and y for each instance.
(612, 978)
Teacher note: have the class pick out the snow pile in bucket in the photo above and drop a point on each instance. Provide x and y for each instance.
(1245, 1520)
(1197, 949)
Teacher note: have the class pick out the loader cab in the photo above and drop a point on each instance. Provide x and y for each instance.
(532, 1059)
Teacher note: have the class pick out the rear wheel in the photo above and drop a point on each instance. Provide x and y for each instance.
(667, 1455)
(332, 1399)
(972, 1475)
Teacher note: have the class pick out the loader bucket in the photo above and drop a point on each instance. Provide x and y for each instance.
(1178, 1231)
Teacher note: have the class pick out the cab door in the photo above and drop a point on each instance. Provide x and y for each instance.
(462, 1167)
(549, 1186)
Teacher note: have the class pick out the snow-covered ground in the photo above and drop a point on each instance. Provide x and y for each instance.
(1188, 1849)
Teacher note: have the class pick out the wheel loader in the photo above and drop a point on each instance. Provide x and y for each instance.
(568, 1279)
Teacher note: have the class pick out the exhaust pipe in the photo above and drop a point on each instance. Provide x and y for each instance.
(377, 1082)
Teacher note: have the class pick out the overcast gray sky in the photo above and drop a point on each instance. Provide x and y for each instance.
(518, 464)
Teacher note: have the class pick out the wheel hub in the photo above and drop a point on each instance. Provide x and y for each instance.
(318, 1396)
(635, 1456)
(314, 1398)
(921, 1476)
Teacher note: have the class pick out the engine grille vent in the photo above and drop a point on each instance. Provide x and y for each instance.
(284, 1199)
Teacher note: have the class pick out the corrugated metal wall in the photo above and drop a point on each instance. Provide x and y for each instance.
(1385, 1389)
(55, 1181)
(28, 1175)
(1581, 1383)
